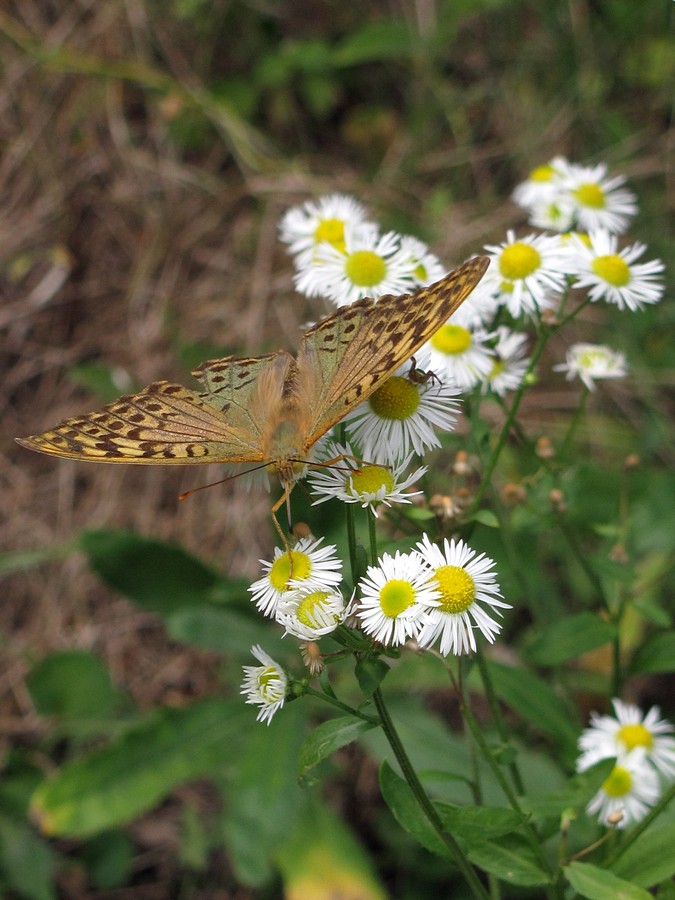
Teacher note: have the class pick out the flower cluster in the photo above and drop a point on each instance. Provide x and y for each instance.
(644, 749)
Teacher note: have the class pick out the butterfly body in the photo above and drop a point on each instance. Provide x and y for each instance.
(270, 409)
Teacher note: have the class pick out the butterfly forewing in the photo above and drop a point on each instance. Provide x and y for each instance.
(359, 346)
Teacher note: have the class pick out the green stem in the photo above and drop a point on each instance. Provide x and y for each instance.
(372, 533)
(423, 800)
(327, 698)
(508, 425)
(528, 832)
(497, 716)
(574, 424)
(642, 825)
(351, 539)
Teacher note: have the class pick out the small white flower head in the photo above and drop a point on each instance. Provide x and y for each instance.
(510, 362)
(598, 201)
(527, 274)
(613, 275)
(628, 729)
(394, 597)
(627, 794)
(400, 416)
(369, 266)
(592, 362)
(309, 614)
(265, 685)
(466, 585)
(554, 215)
(367, 483)
(322, 221)
(313, 567)
(462, 354)
(427, 268)
(542, 185)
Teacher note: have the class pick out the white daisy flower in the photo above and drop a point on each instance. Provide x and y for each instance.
(394, 597)
(466, 585)
(510, 362)
(322, 221)
(461, 354)
(542, 185)
(527, 274)
(310, 614)
(400, 416)
(366, 483)
(627, 794)
(553, 215)
(427, 268)
(478, 310)
(370, 265)
(591, 362)
(265, 685)
(598, 201)
(613, 275)
(629, 728)
(313, 567)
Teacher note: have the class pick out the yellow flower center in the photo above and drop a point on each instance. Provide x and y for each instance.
(457, 587)
(420, 272)
(519, 260)
(613, 269)
(308, 604)
(451, 340)
(635, 736)
(331, 231)
(365, 268)
(396, 596)
(397, 398)
(619, 782)
(542, 173)
(369, 480)
(280, 572)
(591, 195)
(497, 368)
(268, 680)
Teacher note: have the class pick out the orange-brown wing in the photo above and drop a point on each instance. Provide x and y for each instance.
(163, 424)
(344, 359)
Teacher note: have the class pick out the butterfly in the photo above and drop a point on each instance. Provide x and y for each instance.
(268, 409)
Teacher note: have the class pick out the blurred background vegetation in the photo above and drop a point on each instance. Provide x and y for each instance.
(149, 148)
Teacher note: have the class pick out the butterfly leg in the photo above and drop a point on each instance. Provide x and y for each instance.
(285, 498)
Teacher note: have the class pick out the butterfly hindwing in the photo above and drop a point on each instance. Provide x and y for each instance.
(164, 423)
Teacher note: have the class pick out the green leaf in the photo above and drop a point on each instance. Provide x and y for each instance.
(27, 863)
(111, 785)
(407, 812)
(386, 39)
(370, 673)
(109, 858)
(161, 577)
(262, 797)
(326, 739)
(510, 859)
(486, 517)
(656, 655)
(536, 701)
(599, 884)
(650, 859)
(477, 823)
(322, 858)
(568, 639)
(73, 683)
(222, 630)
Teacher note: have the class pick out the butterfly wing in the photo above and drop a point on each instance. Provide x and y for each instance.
(345, 358)
(162, 424)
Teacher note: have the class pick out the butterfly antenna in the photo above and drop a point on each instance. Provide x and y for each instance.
(203, 487)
